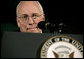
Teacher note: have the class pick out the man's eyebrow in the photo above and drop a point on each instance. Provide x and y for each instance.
(24, 15)
(35, 13)
(28, 15)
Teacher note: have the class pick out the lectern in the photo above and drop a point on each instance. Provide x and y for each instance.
(30, 45)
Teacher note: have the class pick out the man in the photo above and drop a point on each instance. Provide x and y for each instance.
(29, 14)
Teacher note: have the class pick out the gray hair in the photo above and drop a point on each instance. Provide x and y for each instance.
(22, 1)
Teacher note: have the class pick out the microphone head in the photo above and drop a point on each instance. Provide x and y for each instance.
(46, 25)
(41, 25)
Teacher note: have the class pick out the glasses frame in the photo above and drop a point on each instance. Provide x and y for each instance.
(27, 17)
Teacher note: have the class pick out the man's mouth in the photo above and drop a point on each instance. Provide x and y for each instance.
(31, 28)
(34, 30)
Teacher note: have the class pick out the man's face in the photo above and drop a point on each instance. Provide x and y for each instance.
(29, 15)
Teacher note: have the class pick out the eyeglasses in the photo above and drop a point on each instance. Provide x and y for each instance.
(25, 17)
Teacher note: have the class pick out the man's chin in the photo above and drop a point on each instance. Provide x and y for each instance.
(34, 30)
(31, 31)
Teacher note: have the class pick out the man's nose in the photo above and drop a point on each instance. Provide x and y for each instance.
(31, 21)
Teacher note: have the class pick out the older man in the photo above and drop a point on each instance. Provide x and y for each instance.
(29, 14)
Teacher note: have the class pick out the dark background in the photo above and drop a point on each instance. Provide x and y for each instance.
(68, 13)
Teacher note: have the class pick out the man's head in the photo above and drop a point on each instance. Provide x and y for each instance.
(29, 14)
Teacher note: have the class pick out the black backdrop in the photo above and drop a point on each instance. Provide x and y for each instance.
(55, 12)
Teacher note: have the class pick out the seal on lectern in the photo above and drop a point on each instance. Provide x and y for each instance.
(61, 47)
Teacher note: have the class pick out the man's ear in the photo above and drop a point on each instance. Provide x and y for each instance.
(18, 22)
(43, 17)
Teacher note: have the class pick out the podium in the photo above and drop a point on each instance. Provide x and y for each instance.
(27, 45)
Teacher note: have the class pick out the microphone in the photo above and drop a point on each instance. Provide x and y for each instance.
(53, 27)
(46, 25)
